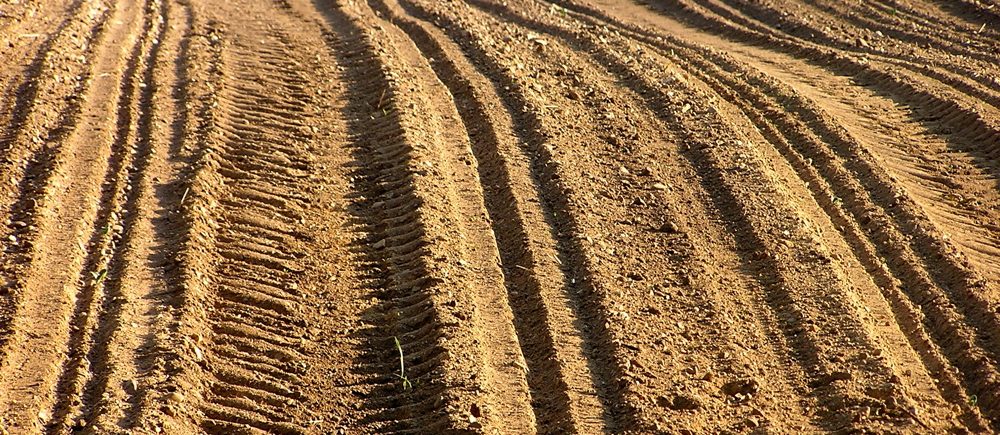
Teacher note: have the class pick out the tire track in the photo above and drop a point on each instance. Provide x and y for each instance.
(255, 366)
(484, 216)
(564, 396)
(398, 189)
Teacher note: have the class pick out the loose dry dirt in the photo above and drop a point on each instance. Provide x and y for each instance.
(499, 216)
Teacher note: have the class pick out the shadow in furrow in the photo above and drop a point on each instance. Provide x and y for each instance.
(756, 261)
(549, 389)
(108, 308)
(385, 207)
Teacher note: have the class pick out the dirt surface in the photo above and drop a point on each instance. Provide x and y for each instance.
(499, 216)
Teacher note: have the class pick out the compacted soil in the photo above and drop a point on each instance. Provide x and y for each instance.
(499, 216)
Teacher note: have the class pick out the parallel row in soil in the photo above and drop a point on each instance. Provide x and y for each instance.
(485, 216)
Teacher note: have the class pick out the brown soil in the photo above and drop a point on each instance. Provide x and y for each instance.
(499, 216)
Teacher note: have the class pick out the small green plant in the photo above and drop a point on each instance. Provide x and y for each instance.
(99, 276)
(973, 400)
(407, 385)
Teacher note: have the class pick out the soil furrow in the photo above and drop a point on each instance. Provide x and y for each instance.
(499, 216)
(37, 118)
(560, 377)
(972, 361)
(664, 399)
(948, 340)
(947, 95)
(876, 293)
(431, 247)
(97, 358)
(56, 270)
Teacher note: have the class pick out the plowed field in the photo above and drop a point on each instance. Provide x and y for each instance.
(499, 216)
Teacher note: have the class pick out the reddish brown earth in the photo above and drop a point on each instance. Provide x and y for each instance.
(499, 216)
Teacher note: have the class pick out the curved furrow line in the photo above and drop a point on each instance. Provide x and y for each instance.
(425, 243)
(961, 283)
(838, 188)
(558, 358)
(951, 97)
(829, 193)
(447, 24)
(784, 290)
(901, 412)
(888, 33)
(937, 16)
(974, 160)
(971, 362)
(950, 69)
(932, 18)
(974, 134)
(977, 12)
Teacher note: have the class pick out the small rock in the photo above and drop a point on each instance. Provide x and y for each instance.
(131, 387)
(176, 397)
(679, 402)
(741, 387)
(831, 378)
(659, 186)
(669, 227)
(475, 414)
